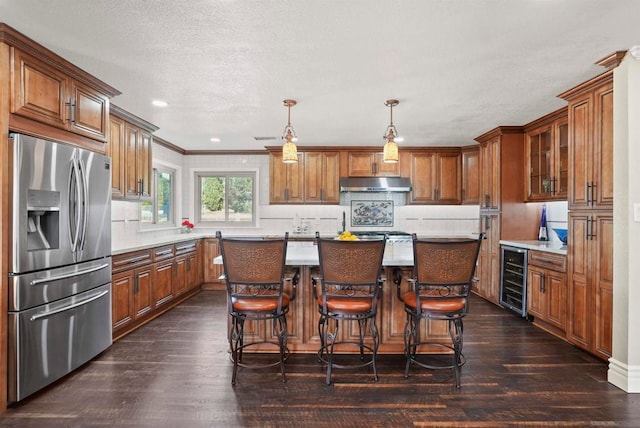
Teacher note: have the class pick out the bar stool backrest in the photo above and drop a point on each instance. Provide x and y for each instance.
(254, 268)
(444, 268)
(350, 268)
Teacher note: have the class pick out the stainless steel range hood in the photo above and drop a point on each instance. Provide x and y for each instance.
(375, 184)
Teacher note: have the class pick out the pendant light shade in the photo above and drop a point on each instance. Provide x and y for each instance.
(289, 149)
(390, 151)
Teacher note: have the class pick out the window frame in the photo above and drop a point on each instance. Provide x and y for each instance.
(197, 192)
(175, 214)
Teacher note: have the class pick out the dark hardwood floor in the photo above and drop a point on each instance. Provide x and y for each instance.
(175, 372)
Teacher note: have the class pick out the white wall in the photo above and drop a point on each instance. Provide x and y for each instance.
(624, 365)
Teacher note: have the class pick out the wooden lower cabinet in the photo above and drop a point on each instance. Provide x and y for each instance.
(147, 283)
(164, 274)
(212, 272)
(547, 291)
(142, 295)
(488, 268)
(122, 291)
(590, 281)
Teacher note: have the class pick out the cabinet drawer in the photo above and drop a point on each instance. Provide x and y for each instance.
(185, 247)
(130, 260)
(552, 261)
(162, 253)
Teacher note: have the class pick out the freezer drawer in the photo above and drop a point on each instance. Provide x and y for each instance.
(49, 341)
(33, 289)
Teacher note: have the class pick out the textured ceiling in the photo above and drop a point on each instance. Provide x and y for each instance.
(458, 67)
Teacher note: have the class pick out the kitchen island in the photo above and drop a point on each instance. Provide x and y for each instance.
(302, 320)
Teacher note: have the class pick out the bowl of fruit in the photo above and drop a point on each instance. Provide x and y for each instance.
(347, 236)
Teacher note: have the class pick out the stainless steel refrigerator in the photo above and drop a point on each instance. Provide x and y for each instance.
(60, 279)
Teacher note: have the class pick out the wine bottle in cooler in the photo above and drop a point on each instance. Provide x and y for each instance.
(542, 231)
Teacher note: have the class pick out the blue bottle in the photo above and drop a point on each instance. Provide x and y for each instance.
(542, 231)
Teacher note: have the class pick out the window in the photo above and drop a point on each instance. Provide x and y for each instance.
(161, 210)
(226, 198)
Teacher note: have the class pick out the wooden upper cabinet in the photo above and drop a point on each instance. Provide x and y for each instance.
(436, 177)
(46, 94)
(371, 164)
(322, 177)
(490, 173)
(470, 191)
(89, 111)
(547, 150)
(144, 171)
(286, 180)
(591, 144)
(131, 157)
(116, 150)
(39, 92)
(502, 178)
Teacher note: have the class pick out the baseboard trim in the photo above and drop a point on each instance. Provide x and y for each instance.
(625, 377)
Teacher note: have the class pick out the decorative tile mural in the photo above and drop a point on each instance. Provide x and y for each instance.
(371, 213)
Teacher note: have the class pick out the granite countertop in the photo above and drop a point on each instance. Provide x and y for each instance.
(556, 247)
(146, 243)
(129, 246)
(305, 253)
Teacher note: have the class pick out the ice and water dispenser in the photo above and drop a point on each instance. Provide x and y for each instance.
(43, 219)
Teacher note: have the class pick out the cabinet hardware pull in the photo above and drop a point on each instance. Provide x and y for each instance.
(486, 223)
(136, 287)
(487, 201)
(542, 283)
(553, 185)
(594, 235)
(72, 111)
(593, 193)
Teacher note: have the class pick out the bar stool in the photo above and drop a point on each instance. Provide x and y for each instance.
(443, 271)
(349, 290)
(254, 272)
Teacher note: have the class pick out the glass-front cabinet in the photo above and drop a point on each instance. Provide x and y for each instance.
(548, 157)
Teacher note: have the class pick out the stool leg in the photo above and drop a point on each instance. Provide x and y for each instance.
(411, 337)
(322, 333)
(330, 351)
(282, 342)
(235, 343)
(455, 331)
(376, 343)
(362, 328)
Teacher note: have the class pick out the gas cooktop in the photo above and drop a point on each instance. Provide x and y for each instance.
(380, 233)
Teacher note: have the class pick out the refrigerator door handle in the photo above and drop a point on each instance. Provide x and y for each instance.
(69, 275)
(83, 204)
(75, 192)
(68, 307)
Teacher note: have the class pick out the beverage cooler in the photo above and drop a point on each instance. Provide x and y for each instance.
(513, 280)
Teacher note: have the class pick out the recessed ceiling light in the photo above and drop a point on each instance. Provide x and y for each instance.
(214, 139)
(159, 103)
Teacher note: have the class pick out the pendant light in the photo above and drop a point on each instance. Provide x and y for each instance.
(289, 149)
(390, 152)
